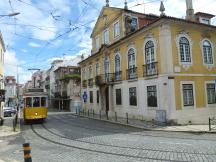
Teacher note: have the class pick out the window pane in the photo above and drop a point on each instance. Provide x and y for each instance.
(28, 102)
(36, 102)
(43, 101)
(118, 97)
(188, 99)
(211, 94)
(152, 96)
(132, 96)
(91, 96)
(97, 96)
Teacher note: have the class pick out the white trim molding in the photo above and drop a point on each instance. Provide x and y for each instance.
(194, 95)
(155, 47)
(208, 66)
(131, 46)
(117, 53)
(185, 65)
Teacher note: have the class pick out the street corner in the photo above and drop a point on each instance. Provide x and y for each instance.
(8, 131)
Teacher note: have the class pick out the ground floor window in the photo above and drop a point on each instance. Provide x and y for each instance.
(118, 97)
(211, 93)
(152, 96)
(97, 96)
(188, 99)
(91, 96)
(133, 96)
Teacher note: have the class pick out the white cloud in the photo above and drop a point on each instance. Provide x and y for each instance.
(24, 50)
(13, 68)
(35, 45)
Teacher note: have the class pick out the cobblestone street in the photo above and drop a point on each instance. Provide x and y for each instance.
(65, 137)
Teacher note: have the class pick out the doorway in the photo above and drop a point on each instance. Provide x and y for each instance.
(107, 99)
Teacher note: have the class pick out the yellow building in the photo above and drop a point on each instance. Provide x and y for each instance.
(2, 91)
(152, 67)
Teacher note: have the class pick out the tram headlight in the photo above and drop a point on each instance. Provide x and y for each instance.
(36, 113)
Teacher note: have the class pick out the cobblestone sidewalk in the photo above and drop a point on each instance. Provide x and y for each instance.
(149, 125)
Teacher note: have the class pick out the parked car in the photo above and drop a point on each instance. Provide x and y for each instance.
(9, 111)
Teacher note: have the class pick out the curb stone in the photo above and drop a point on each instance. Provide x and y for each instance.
(146, 129)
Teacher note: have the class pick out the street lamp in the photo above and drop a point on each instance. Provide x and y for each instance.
(11, 14)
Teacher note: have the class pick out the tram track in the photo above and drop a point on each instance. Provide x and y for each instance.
(127, 131)
(98, 151)
(125, 147)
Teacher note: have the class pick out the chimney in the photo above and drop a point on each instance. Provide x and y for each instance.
(190, 11)
(126, 6)
(107, 3)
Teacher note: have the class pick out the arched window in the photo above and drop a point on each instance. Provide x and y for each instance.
(106, 68)
(117, 67)
(117, 63)
(84, 73)
(207, 52)
(97, 69)
(149, 52)
(131, 72)
(90, 72)
(184, 47)
(131, 59)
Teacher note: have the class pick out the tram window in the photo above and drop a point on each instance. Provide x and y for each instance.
(36, 102)
(28, 102)
(43, 101)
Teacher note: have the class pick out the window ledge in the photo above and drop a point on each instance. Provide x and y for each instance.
(188, 107)
(211, 105)
(152, 108)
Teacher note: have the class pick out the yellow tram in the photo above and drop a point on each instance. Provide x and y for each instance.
(35, 105)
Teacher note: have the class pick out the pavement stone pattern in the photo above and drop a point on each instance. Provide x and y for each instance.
(148, 124)
(65, 138)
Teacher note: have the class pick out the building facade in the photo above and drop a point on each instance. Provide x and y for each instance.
(67, 86)
(152, 67)
(10, 91)
(2, 89)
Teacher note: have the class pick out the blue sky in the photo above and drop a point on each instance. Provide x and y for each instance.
(45, 30)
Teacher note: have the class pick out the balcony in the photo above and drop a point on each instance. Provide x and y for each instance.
(150, 69)
(118, 76)
(132, 73)
(84, 83)
(104, 79)
(90, 82)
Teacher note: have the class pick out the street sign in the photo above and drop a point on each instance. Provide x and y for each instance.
(85, 96)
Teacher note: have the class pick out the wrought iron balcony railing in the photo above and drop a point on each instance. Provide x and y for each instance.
(132, 73)
(104, 79)
(84, 83)
(90, 82)
(150, 69)
(118, 76)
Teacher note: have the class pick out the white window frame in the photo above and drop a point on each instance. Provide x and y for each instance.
(155, 48)
(134, 53)
(209, 66)
(104, 36)
(194, 95)
(184, 64)
(114, 29)
(206, 95)
(97, 42)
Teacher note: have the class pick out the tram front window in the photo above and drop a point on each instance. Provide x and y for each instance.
(28, 102)
(36, 102)
(43, 102)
